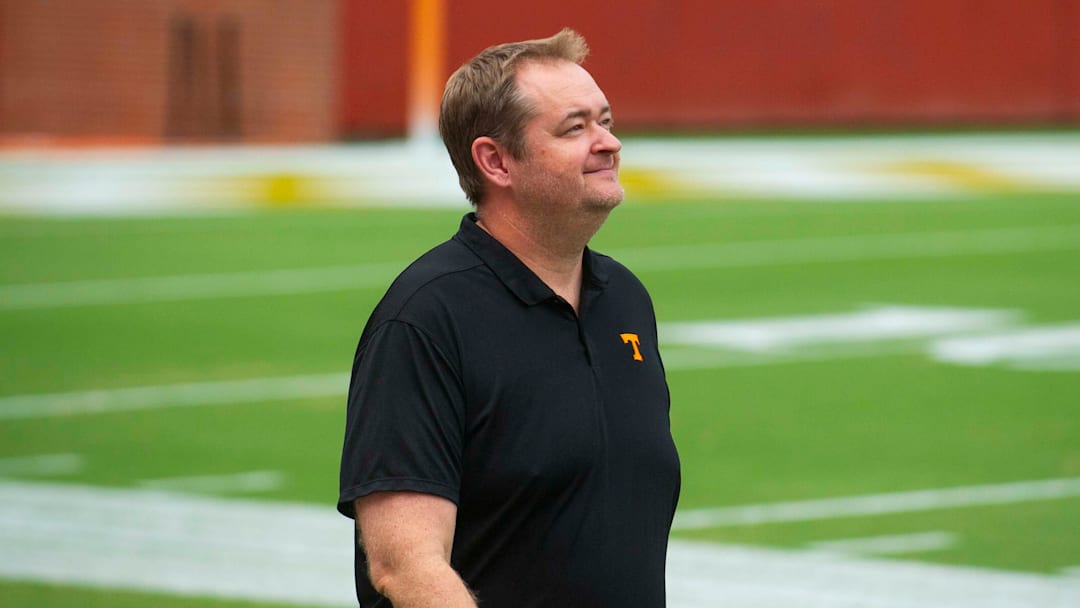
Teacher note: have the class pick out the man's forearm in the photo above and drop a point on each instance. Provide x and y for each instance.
(429, 583)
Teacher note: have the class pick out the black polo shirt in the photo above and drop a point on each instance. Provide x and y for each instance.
(549, 429)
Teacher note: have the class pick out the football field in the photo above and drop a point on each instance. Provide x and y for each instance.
(858, 384)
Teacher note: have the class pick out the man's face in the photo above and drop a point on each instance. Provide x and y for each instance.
(571, 159)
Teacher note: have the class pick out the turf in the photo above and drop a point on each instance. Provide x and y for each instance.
(840, 426)
(33, 594)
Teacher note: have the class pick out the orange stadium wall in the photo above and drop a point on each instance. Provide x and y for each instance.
(321, 70)
(715, 64)
(169, 70)
(373, 95)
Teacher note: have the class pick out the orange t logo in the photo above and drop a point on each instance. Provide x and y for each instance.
(633, 340)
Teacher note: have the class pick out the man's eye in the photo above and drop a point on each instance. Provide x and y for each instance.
(607, 123)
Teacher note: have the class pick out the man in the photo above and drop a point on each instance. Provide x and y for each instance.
(508, 441)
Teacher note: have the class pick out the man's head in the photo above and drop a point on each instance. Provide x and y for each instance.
(483, 99)
(571, 161)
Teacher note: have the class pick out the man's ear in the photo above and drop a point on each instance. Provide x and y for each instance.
(490, 157)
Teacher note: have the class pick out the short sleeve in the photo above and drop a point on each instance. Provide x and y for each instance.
(405, 422)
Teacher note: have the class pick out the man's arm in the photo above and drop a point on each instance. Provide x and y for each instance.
(407, 537)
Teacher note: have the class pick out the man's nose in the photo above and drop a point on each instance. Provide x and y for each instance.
(607, 143)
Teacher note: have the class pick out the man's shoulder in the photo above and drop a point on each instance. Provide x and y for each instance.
(438, 275)
(618, 276)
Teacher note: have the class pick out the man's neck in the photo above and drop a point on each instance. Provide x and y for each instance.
(551, 247)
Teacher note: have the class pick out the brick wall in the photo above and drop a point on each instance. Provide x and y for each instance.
(177, 69)
(318, 70)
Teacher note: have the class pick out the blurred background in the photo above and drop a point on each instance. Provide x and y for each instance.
(859, 221)
(334, 70)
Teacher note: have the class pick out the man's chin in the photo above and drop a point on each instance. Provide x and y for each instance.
(607, 199)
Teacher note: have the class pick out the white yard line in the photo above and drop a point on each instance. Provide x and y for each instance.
(281, 388)
(1070, 363)
(679, 358)
(884, 330)
(878, 504)
(1052, 346)
(401, 173)
(171, 543)
(646, 259)
(956, 336)
(244, 549)
(285, 388)
(197, 287)
(42, 465)
(248, 482)
(873, 324)
(704, 575)
(850, 248)
(894, 544)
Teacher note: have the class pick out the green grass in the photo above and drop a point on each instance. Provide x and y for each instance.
(747, 434)
(33, 594)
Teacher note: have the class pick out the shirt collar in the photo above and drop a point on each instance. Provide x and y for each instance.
(513, 273)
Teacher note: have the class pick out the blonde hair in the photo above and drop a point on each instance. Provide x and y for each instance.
(482, 99)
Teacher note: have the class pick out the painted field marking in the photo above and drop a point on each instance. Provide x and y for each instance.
(680, 358)
(302, 554)
(894, 544)
(42, 465)
(871, 325)
(645, 259)
(883, 330)
(282, 388)
(963, 175)
(878, 504)
(404, 174)
(704, 575)
(958, 336)
(173, 543)
(1055, 347)
(197, 287)
(879, 168)
(1062, 364)
(235, 483)
(915, 245)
